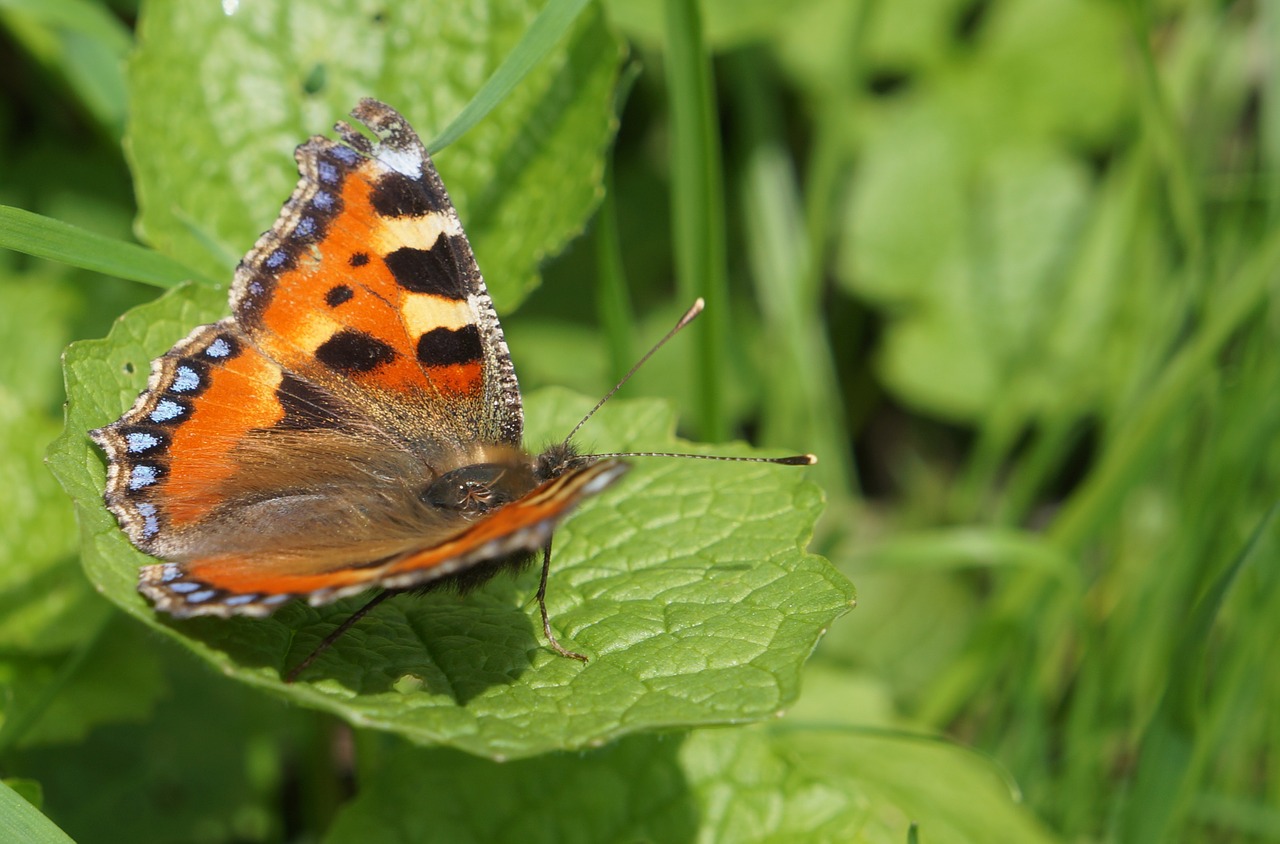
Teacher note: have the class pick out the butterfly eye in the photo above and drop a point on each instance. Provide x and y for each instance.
(472, 490)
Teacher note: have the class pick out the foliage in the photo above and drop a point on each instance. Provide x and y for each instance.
(1009, 268)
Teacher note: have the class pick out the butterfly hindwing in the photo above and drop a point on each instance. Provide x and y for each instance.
(256, 583)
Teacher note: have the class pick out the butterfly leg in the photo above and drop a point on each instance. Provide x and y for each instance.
(342, 628)
(542, 605)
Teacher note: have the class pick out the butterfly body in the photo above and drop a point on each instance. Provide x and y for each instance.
(356, 422)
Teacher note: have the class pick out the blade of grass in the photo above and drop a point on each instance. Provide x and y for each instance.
(43, 237)
(804, 410)
(1050, 446)
(698, 205)
(1269, 113)
(1168, 136)
(20, 821)
(967, 548)
(1137, 440)
(1171, 739)
(538, 40)
(612, 300)
(91, 19)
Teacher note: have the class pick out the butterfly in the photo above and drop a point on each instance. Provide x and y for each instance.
(356, 422)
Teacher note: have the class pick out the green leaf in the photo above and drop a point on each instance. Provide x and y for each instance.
(976, 288)
(20, 821)
(976, 221)
(49, 616)
(83, 43)
(632, 790)
(207, 761)
(109, 678)
(755, 784)
(220, 100)
(46, 606)
(539, 39)
(816, 784)
(687, 585)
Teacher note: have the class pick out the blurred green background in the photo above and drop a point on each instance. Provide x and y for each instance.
(1009, 267)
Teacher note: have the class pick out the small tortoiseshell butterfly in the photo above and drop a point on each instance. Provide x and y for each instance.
(356, 422)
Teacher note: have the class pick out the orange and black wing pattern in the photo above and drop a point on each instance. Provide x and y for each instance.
(367, 287)
(291, 449)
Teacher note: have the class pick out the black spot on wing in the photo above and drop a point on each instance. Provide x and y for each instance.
(445, 346)
(433, 270)
(338, 294)
(358, 259)
(354, 351)
(398, 195)
(306, 406)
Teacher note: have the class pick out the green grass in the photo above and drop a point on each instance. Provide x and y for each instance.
(1009, 269)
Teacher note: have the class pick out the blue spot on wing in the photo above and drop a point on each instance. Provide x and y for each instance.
(185, 379)
(142, 476)
(166, 411)
(140, 441)
(150, 524)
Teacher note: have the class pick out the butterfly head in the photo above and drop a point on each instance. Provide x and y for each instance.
(557, 459)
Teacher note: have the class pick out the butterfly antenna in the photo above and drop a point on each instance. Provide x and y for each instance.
(688, 317)
(790, 460)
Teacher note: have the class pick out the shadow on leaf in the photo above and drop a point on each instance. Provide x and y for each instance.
(439, 644)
